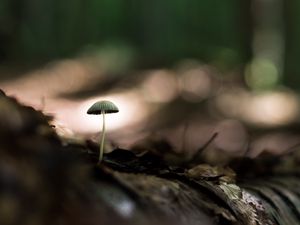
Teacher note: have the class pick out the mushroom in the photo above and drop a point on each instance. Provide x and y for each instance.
(102, 107)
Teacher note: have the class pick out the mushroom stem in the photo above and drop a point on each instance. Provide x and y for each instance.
(102, 138)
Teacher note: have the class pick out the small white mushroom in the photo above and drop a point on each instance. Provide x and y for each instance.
(102, 107)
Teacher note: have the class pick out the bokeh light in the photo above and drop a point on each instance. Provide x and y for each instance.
(265, 109)
(196, 84)
(261, 73)
(160, 86)
(74, 116)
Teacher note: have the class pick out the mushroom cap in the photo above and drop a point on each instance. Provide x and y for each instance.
(100, 106)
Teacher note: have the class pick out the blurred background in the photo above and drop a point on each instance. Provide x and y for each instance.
(179, 70)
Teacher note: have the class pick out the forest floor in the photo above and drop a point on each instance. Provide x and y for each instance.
(60, 178)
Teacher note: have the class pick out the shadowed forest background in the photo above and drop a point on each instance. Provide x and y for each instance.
(177, 69)
(208, 128)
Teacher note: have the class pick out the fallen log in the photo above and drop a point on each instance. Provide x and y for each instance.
(44, 180)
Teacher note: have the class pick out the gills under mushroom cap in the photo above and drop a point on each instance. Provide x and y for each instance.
(103, 106)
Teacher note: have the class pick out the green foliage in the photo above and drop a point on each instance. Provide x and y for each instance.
(161, 31)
